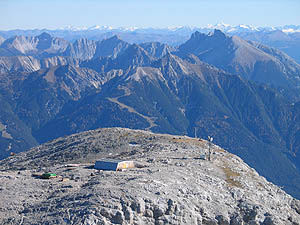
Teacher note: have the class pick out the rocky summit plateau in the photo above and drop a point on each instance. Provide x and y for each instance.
(170, 184)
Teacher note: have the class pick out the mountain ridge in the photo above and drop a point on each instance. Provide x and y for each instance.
(234, 55)
(285, 38)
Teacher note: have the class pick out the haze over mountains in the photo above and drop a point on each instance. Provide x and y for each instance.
(244, 94)
(286, 38)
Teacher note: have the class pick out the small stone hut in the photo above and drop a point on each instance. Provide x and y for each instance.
(113, 164)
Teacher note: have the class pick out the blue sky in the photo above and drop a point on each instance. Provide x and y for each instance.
(27, 14)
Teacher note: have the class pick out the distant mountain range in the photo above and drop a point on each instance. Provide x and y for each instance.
(286, 38)
(177, 29)
(244, 94)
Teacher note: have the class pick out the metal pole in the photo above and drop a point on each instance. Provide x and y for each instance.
(210, 139)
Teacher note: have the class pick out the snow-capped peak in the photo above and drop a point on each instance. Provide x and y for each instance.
(72, 28)
(227, 28)
(97, 27)
(222, 24)
(290, 30)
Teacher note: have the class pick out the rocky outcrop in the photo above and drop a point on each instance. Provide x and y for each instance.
(82, 49)
(157, 49)
(43, 44)
(248, 59)
(112, 47)
(27, 64)
(170, 184)
(19, 63)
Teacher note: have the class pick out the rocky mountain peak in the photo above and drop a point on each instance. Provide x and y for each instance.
(136, 49)
(134, 56)
(172, 183)
(41, 46)
(278, 35)
(218, 34)
(172, 67)
(170, 58)
(198, 35)
(44, 36)
(246, 59)
(44, 41)
(115, 37)
(157, 49)
(18, 45)
(82, 49)
(49, 44)
(112, 47)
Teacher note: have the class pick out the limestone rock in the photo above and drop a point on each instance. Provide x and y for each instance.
(224, 191)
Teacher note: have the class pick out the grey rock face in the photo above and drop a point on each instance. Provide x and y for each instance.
(82, 49)
(41, 45)
(269, 220)
(222, 220)
(171, 185)
(209, 221)
(110, 47)
(248, 59)
(296, 205)
(156, 49)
